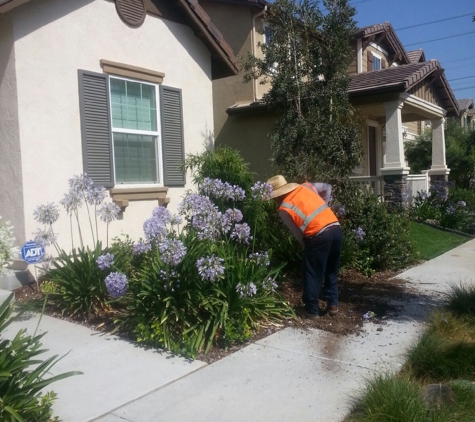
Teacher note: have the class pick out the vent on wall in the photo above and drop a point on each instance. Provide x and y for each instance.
(132, 12)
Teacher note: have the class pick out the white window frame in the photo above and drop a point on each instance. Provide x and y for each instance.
(157, 134)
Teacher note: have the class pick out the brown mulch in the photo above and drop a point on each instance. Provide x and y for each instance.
(357, 296)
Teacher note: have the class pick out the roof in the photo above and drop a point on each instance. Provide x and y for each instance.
(416, 56)
(256, 3)
(388, 35)
(224, 61)
(465, 103)
(402, 79)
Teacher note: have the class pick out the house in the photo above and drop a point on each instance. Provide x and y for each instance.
(467, 113)
(398, 92)
(121, 90)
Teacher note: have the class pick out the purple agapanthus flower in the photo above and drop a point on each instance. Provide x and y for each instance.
(176, 219)
(242, 233)
(462, 204)
(262, 191)
(141, 247)
(260, 258)
(154, 230)
(105, 261)
(162, 214)
(238, 194)
(108, 212)
(116, 284)
(423, 195)
(246, 291)
(44, 237)
(269, 284)
(80, 184)
(210, 268)
(71, 202)
(46, 214)
(359, 233)
(96, 195)
(450, 210)
(172, 252)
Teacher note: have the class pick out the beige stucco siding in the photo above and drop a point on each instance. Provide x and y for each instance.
(55, 38)
(249, 135)
(353, 68)
(11, 178)
(412, 127)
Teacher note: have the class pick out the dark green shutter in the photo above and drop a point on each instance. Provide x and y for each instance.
(171, 112)
(96, 127)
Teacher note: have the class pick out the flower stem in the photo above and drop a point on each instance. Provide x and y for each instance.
(90, 223)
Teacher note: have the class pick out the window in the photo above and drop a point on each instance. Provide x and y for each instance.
(268, 34)
(376, 62)
(132, 131)
(135, 134)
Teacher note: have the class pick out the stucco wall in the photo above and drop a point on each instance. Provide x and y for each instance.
(11, 180)
(248, 134)
(55, 38)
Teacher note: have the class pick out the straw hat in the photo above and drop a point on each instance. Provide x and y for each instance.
(280, 186)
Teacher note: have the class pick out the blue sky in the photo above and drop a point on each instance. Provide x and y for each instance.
(456, 55)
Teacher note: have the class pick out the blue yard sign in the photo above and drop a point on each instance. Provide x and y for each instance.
(32, 252)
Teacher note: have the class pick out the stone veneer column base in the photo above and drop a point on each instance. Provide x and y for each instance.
(395, 191)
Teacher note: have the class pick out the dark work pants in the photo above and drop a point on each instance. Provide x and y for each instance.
(321, 263)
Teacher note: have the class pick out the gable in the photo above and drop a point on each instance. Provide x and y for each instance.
(428, 91)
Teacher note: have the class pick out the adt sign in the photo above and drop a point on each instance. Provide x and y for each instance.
(32, 252)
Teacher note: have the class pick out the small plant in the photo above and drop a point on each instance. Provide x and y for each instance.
(7, 251)
(390, 399)
(461, 300)
(23, 374)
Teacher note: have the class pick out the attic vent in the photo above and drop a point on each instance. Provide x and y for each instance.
(132, 12)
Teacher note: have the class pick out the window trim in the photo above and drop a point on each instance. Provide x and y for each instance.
(157, 134)
(380, 58)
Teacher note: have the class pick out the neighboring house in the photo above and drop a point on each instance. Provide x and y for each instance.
(399, 92)
(467, 113)
(120, 89)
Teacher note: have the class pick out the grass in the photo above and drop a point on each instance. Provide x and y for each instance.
(431, 242)
(445, 354)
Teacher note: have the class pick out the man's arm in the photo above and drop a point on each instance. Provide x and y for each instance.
(324, 190)
(287, 219)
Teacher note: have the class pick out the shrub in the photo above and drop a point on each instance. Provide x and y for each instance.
(374, 239)
(7, 250)
(77, 284)
(23, 375)
(202, 285)
(444, 208)
(227, 165)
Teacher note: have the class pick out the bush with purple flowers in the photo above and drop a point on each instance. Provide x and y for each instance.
(442, 206)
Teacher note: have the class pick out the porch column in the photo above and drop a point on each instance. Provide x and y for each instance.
(394, 171)
(439, 173)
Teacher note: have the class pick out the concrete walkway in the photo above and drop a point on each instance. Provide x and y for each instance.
(291, 375)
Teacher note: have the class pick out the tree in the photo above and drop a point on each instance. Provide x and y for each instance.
(459, 152)
(317, 136)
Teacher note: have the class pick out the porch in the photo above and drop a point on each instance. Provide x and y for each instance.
(391, 100)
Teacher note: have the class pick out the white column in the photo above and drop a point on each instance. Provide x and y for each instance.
(359, 56)
(439, 165)
(395, 162)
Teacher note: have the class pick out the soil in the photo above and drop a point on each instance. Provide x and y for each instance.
(358, 295)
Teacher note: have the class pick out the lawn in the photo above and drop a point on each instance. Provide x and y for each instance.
(431, 242)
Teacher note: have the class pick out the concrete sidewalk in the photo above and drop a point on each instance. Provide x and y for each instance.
(291, 375)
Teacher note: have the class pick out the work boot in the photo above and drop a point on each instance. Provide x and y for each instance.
(333, 310)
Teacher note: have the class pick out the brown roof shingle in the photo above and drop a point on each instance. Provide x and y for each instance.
(416, 56)
(465, 103)
(401, 79)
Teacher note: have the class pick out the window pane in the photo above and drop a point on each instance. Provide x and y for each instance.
(376, 63)
(135, 158)
(134, 105)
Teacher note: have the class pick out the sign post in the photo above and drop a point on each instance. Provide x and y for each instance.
(33, 253)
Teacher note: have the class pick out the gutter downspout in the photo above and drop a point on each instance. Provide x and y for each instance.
(254, 49)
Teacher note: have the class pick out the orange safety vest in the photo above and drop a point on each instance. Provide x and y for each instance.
(308, 210)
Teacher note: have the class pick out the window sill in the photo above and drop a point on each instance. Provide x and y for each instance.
(122, 196)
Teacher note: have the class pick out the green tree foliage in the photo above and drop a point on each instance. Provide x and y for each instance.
(306, 60)
(460, 154)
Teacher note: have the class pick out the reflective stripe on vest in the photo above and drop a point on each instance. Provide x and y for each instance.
(308, 210)
(306, 219)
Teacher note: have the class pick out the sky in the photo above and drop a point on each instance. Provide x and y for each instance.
(456, 55)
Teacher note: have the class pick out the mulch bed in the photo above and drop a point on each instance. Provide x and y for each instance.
(357, 295)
